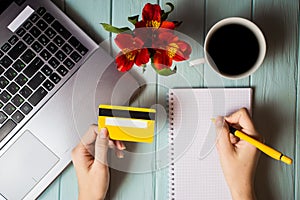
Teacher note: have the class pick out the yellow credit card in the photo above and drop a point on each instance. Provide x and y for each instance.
(127, 123)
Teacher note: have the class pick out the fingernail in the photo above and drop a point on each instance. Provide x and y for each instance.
(120, 154)
(103, 133)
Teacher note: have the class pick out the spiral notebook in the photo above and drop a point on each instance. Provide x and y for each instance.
(195, 171)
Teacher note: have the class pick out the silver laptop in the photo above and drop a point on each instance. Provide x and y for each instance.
(52, 78)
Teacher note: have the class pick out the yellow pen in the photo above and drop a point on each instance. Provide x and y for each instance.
(264, 148)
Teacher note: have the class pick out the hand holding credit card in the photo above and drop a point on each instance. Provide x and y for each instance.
(127, 123)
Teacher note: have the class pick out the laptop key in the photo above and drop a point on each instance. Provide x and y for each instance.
(40, 11)
(25, 92)
(35, 31)
(3, 82)
(75, 56)
(9, 109)
(28, 39)
(17, 116)
(42, 24)
(10, 74)
(3, 117)
(53, 62)
(58, 41)
(18, 65)
(13, 88)
(13, 40)
(48, 18)
(6, 62)
(21, 32)
(37, 96)
(62, 70)
(21, 80)
(82, 49)
(1, 53)
(28, 56)
(36, 80)
(50, 33)
(47, 70)
(60, 55)
(52, 47)
(45, 54)
(67, 48)
(74, 42)
(26, 108)
(37, 47)
(27, 25)
(48, 85)
(17, 50)
(55, 78)
(69, 63)
(5, 47)
(17, 100)
(33, 67)
(7, 128)
(61, 30)
(34, 17)
(5, 96)
(43, 40)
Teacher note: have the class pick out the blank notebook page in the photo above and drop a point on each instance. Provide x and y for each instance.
(195, 171)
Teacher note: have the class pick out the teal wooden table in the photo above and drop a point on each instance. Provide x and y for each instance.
(276, 90)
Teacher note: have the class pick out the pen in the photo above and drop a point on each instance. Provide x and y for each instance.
(264, 148)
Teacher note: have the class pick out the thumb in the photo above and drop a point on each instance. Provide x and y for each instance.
(223, 142)
(101, 145)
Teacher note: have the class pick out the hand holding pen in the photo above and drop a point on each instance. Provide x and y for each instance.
(238, 157)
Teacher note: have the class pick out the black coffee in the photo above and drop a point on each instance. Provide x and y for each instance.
(234, 49)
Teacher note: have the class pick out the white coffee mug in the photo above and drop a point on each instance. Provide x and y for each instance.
(234, 48)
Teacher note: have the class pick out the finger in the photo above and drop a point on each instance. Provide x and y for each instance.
(224, 144)
(101, 146)
(90, 136)
(241, 118)
(234, 139)
(120, 145)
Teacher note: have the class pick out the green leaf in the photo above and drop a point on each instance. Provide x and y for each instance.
(165, 71)
(166, 14)
(133, 19)
(114, 29)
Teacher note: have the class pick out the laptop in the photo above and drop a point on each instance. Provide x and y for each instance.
(52, 78)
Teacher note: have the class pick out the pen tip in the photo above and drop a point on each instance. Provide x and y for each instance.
(286, 160)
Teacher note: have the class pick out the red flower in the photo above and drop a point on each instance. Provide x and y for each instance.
(132, 52)
(151, 17)
(168, 47)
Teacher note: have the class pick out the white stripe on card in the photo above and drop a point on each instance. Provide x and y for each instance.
(134, 123)
(20, 19)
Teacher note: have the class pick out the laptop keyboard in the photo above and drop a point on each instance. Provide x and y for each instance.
(34, 61)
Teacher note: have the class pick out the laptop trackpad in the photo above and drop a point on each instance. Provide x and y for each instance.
(23, 165)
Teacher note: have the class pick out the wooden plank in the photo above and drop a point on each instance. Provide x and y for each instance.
(133, 177)
(192, 15)
(52, 192)
(275, 95)
(68, 184)
(89, 15)
(217, 10)
(297, 142)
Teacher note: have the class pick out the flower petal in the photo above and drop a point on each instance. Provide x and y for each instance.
(123, 64)
(142, 57)
(151, 12)
(161, 60)
(168, 25)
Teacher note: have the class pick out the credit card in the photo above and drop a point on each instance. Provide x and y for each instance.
(127, 123)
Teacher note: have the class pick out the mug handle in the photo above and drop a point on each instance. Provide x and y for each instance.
(197, 61)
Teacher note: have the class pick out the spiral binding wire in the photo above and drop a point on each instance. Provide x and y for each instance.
(171, 146)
